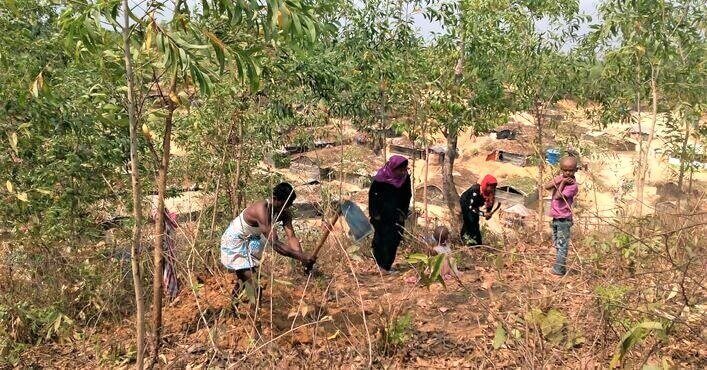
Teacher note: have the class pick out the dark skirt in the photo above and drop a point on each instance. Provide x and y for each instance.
(386, 238)
(471, 231)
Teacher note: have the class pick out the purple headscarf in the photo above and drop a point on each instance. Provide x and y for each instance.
(385, 174)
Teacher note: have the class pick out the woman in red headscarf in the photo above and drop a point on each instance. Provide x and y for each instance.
(471, 201)
(388, 206)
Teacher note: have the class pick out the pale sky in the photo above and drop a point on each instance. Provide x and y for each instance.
(428, 29)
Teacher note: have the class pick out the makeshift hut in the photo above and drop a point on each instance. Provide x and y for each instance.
(517, 190)
(554, 116)
(303, 139)
(508, 131)
(404, 146)
(640, 132)
(351, 163)
(306, 167)
(514, 216)
(308, 204)
(436, 154)
(463, 179)
(614, 143)
(510, 151)
(435, 194)
(509, 144)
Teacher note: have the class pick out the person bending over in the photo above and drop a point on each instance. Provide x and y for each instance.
(471, 201)
(244, 240)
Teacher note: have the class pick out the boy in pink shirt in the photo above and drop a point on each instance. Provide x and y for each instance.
(564, 189)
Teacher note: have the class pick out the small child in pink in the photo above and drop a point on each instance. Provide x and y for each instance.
(439, 244)
(564, 189)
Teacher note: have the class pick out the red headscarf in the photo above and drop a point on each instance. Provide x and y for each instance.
(486, 192)
(385, 174)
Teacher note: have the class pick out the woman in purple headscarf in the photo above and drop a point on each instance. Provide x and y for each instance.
(388, 206)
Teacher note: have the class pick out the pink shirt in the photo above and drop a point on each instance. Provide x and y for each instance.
(561, 207)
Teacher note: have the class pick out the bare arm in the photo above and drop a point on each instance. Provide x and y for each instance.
(557, 194)
(291, 247)
(491, 210)
(552, 184)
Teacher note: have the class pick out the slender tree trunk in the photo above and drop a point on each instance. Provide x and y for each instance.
(683, 153)
(241, 196)
(160, 230)
(239, 165)
(220, 175)
(641, 148)
(412, 183)
(459, 67)
(643, 169)
(380, 137)
(451, 196)
(232, 201)
(689, 184)
(424, 189)
(541, 167)
(137, 197)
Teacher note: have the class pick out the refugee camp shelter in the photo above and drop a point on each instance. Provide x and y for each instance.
(610, 141)
(306, 167)
(554, 116)
(463, 179)
(517, 190)
(510, 151)
(641, 132)
(404, 146)
(436, 154)
(510, 143)
(303, 139)
(508, 131)
(308, 204)
(435, 194)
(350, 163)
(514, 216)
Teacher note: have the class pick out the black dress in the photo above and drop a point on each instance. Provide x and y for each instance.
(471, 201)
(388, 207)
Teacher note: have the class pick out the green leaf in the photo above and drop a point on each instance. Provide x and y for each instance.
(13, 142)
(296, 23)
(43, 191)
(311, 29)
(253, 76)
(416, 258)
(37, 85)
(110, 107)
(500, 337)
(436, 262)
(206, 8)
(553, 322)
(633, 337)
(160, 42)
(219, 49)
(183, 98)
